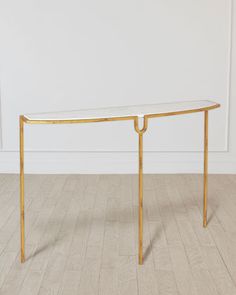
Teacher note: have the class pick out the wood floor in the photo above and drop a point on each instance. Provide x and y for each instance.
(81, 235)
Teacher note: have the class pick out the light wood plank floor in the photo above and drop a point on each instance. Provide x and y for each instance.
(81, 235)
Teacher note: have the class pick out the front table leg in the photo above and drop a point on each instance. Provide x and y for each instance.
(140, 198)
(22, 213)
(140, 133)
(205, 169)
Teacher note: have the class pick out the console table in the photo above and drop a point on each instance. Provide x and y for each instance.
(133, 113)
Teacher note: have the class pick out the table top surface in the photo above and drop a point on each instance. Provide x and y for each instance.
(129, 112)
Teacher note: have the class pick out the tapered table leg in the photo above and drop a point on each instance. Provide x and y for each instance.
(140, 198)
(140, 189)
(22, 214)
(205, 191)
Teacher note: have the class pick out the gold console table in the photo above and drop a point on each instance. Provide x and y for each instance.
(133, 113)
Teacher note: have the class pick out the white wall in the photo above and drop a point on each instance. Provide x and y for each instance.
(61, 55)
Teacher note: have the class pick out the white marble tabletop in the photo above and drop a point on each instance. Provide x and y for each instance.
(160, 109)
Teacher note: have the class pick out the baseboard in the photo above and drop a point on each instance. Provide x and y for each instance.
(114, 163)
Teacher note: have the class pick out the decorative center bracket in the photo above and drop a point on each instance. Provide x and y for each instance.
(136, 124)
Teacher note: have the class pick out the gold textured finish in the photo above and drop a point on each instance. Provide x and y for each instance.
(140, 136)
(75, 121)
(205, 168)
(22, 211)
(140, 254)
(24, 119)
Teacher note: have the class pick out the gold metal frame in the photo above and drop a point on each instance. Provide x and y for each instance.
(22, 190)
(25, 120)
(205, 184)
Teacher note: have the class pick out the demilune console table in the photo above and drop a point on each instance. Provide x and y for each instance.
(132, 113)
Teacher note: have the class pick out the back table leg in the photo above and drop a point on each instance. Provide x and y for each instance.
(22, 213)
